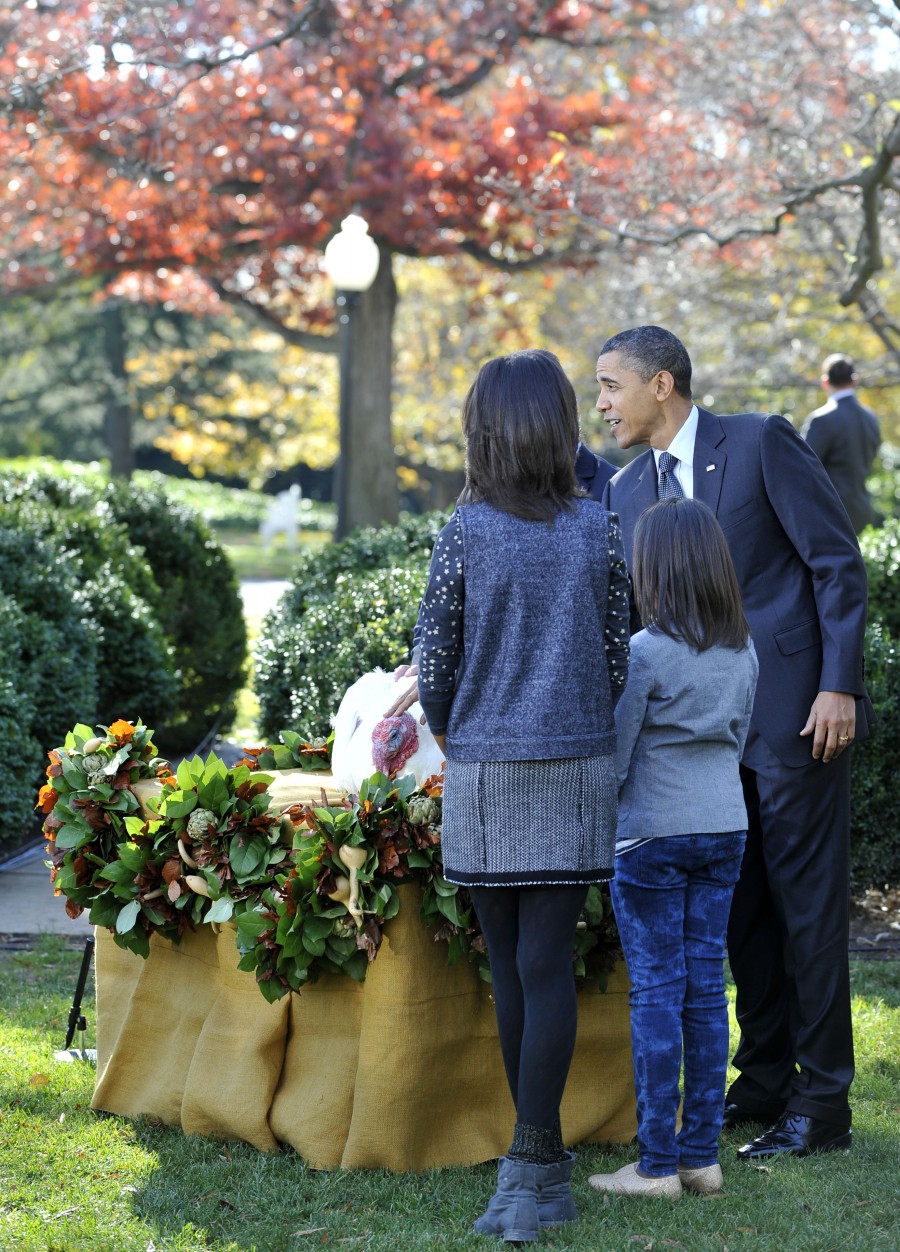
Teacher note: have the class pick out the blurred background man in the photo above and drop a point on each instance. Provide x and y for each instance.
(845, 436)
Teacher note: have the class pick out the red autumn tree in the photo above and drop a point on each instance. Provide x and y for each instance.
(207, 151)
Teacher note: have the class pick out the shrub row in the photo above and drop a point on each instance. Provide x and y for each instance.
(352, 606)
(114, 602)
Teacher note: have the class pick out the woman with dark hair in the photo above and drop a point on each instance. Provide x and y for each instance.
(523, 633)
(681, 727)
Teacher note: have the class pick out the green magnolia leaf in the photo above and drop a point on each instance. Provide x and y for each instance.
(179, 804)
(117, 759)
(189, 773)
(392, 907)
(117, 872)
(272, 989)
(133, 856)
(127, 917)
(248, 855)
(70, 836)
(213, 793)
(315, 946)
(356, 966)
(449, 906)
(250, 925)
(221, 910)
(134, 941)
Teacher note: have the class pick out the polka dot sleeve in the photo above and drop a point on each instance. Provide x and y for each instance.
(616, 634)
(439, 629)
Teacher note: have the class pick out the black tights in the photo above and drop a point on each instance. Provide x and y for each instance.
(529, 933)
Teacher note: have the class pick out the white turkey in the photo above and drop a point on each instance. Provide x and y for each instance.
(365, 740)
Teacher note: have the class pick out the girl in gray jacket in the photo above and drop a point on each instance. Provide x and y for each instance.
(681, 724)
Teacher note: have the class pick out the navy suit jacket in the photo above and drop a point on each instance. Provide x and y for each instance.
(798, 564)
(845, 436)
(593, 472)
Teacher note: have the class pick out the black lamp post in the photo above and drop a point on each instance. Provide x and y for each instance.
(351, 262)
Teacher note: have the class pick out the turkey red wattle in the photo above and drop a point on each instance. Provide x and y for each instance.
(394, 740)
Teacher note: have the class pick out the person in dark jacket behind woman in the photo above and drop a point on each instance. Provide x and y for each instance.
(524, 652)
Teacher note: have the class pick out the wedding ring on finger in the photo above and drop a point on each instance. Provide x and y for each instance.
(843, 738)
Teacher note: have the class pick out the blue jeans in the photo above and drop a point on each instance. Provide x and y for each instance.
(671, 898)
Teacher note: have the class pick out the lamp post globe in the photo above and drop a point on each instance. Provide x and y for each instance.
(351, 257)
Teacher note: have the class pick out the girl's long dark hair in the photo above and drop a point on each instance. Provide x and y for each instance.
(520, 420)
(685, 585)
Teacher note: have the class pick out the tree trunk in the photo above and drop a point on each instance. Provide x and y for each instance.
(117, 421)
(367, 470)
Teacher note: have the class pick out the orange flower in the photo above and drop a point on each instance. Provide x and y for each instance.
(121, 731)
(47, 797)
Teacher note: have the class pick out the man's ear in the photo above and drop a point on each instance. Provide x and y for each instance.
(663, 385)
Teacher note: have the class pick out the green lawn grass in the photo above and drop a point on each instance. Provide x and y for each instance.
(252, 558)
(71, 1181)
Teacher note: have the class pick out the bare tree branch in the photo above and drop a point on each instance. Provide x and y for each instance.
(299, 338)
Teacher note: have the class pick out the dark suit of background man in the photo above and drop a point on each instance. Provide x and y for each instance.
(845, 436)
(804, 587)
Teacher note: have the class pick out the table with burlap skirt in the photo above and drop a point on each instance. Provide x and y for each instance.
(402, 1071)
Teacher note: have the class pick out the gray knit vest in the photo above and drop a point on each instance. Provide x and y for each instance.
(533, 683)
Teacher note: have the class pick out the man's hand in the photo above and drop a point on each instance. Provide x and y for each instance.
(409, 696)
(832, 723)
(441, 741)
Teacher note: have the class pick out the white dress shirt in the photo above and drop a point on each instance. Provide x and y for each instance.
(682, 448)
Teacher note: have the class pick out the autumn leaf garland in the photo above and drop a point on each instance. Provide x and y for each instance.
(309, 889)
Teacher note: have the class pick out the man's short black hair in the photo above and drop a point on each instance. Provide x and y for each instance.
(839, 370)
(649, 349)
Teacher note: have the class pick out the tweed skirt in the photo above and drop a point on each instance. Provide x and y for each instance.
(529, 823)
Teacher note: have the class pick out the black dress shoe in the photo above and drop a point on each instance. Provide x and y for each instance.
(796, 1135)
(738, 1115)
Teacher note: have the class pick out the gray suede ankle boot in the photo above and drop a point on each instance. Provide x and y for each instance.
(555, 1202)
(513, 1212)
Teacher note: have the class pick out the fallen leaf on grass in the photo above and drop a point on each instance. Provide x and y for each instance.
(39, 1080)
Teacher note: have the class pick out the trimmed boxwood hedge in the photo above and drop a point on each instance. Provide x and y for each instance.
(135, 674)
(48, 668)
(115, 603)
(198, 606)
(881, 551)
(350, 607)
(22, 753)
(875, 811)
(164, 595)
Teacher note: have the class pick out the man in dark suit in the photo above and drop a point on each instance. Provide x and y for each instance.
(804, 587)
(845, 436)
